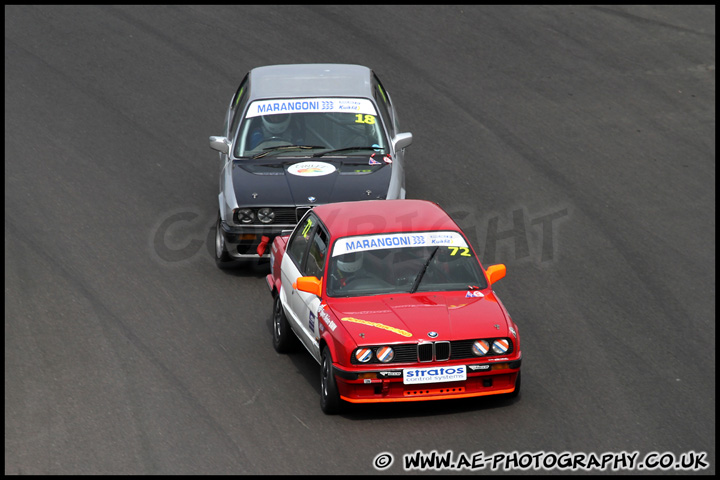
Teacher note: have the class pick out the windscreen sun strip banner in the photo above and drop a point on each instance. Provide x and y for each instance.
(395, 240)
(311, 105)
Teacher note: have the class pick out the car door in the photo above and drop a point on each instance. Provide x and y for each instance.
(305, 255)
(235, 111)
(314, 266)
(389, 116)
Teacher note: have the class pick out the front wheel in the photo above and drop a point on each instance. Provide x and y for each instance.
(222, 257)
(517, 387)
(282, 333)
(330, 401)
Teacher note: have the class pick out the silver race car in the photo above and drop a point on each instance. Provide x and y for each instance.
(296, 136)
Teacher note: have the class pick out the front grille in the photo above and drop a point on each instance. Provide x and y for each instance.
(405, 353)
(442, 351)
(438, 351)
(285, 216)
(299, 212)
(435, 352)
(425, 352)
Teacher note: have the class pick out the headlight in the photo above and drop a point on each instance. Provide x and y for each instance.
(500, 346)
(480, 347)
(363, 355)
(385, 354)
(245, 215)
(266, 215)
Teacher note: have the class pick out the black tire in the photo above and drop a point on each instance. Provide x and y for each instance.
(330, 401)
(517, 387)
(222, 257)
(283, 336)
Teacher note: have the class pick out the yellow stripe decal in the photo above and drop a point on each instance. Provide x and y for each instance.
(378, 325)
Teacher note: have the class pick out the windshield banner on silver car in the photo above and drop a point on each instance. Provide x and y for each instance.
(321, 105)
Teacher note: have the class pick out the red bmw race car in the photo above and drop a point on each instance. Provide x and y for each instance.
(390, 299)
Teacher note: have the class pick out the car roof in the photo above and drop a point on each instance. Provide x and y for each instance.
(368, 217)
(310, 80)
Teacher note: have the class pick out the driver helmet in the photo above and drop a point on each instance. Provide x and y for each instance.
(350, 262)
(276, 124)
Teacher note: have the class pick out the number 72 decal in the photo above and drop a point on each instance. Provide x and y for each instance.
(464, 252)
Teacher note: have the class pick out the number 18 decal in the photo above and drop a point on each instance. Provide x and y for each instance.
(369, 119)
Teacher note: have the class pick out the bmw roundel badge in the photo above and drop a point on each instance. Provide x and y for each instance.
(311, 199)
(432, 334)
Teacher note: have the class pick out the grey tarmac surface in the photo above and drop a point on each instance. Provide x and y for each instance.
(575, 144)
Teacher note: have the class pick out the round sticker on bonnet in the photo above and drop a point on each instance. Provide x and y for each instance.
(311, 169)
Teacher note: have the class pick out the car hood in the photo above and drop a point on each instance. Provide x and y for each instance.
(307, 181)
(409, 318)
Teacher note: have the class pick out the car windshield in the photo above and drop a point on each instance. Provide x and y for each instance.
(310, 127)
(402, 263)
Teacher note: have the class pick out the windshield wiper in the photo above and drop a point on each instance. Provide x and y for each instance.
(320, 154)
(285, 147)
(416, 284)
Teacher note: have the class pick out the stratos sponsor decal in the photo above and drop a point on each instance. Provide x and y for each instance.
(434, 374)
(404, 333)
(311, 105)
(311, 169)
(393, 240)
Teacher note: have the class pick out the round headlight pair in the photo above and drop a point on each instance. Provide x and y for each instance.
(246, 215)
(383, 354)
(498, 347)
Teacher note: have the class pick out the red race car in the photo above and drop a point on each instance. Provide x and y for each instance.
(390, 299)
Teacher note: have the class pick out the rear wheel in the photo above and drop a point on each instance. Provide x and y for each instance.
(330, 401)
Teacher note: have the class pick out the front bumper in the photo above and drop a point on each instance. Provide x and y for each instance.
(386, 385)
(243, 241)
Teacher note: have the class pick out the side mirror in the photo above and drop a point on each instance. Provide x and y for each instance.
(495, 272)
(309, 284)
(221, 144)
(402, 140)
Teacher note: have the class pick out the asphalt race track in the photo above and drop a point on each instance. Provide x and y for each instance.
(575, 144)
